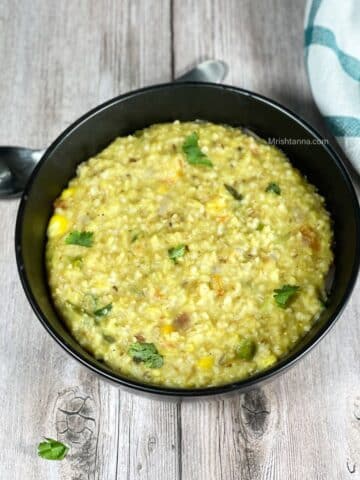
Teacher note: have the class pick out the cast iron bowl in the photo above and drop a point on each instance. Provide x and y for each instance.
(185, 101)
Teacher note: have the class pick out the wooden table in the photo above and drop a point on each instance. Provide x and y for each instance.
(58, 59)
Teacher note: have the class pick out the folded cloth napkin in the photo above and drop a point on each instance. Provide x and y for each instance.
(332, 53)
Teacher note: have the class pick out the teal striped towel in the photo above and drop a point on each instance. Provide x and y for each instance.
(332, 53)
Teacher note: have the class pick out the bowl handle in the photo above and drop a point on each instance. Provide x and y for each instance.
(213, 71)
(17, 163)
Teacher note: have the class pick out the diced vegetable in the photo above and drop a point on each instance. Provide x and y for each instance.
(193, 153)
(51, 449)
(147, 353)
(310, 237)
(217, 284)
(285, 294)
(84, 239)
(134, 237)
(215, 206)
(140, 338)
(266, 361)
(166, 329)
(181, 321)
(274, 188)
(68, 192)
(58, 225)
(206, 362)
(102, 312)
(76, 261)
(177, 252)
(109, 338)
(246, 349)
(238, 196)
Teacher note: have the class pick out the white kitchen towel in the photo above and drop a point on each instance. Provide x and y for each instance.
(332, 53)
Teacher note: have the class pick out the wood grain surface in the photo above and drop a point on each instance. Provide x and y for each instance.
(58, 59)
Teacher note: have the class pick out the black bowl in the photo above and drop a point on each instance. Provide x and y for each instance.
(188, 101)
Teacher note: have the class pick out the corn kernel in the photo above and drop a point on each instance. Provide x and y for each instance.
(217, 285)
(101, 285)
(68, 192)
(58, 225)
(166, 329)
(205, 362)
(215, 206)
(162, 188)
(267, 361)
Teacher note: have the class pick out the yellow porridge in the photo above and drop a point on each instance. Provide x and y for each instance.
(189, 255)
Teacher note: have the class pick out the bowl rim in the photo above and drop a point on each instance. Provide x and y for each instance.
(162, 391)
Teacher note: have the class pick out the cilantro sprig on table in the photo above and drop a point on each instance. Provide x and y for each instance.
(52, 449)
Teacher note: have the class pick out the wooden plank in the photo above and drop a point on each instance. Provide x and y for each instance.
(304, 424)
(58, 60)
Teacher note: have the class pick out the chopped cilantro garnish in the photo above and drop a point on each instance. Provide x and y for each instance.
(284, 295)
(194, 155)
(323, 303)
(233, 192)
(52, 449)
(147, 353)
(134, 237)
(102, 312)
(84, 239)
(274, 188)
(246, 349)
(76, 261)
(109, 338)
(177, 252)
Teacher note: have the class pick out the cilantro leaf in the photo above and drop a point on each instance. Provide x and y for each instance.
(76, 261)
(109, 338)
(52, 449)
(285, 294)
(102, 312)
(233, 192)
(246, 349)
(177, 252)
(194, 155)
(155, 361)
(140, 351)
(274, 188)
(84, 239)
(147, 353)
